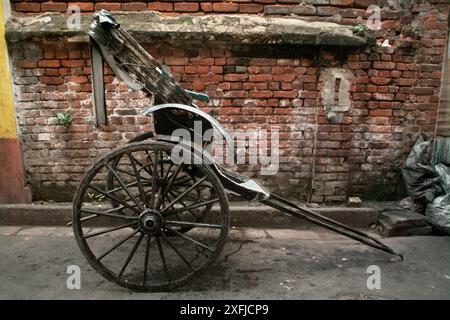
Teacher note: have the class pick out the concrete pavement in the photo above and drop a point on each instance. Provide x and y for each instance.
(256, 264)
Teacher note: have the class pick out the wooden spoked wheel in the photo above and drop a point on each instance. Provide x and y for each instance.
(112, 183)
(155, 230)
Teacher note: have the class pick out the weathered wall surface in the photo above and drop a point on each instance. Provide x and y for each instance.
(394, 94)
(443, 124)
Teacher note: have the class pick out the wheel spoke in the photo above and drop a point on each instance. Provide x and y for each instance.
(120, 188)
(154, 181)
(182, 235)
(130, 256)
(126, 205)
(122, 184)
(169, 185)
(149, 160)
(95, 215)
(128, 199)
(183, 194)
(181, 180)
(161, 164)
(163, 259)
(119, 208)
(194, 224)
(177, 193)
(131, 174)
(176, 250)
(138, 180)
(184, 205)
(168, 199)
(144, 167)
(168, 171)
(109, 230)
(101, 213)
(147, 250)
(115, 246)
(191, 207)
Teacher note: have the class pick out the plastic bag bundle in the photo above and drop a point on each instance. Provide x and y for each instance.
(444, 173)
(428, 186)
(422, 182)
(438, 213)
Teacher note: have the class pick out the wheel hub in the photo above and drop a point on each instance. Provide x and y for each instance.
(151, 221)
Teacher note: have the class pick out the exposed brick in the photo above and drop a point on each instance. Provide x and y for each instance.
(134, 6)
(327, 11)
(160, 6)
(277, 9)
(366, 3)
(54, 6)
(206, 7)
(383, 96)
(49, 63)
(27, 7)
(61, 54)
(75, 54)
(51, 80)
(236, 94)
(380, 81)
(78, 79)
(405, 82)
(288, 77)
(186, 7)
(52, 72)
(73, 63)
(260, 77)
(423, 91)
(384, 65)
(304, 10)
(380, 113)
(285, 94)
(84, 6)
(202, 61)
(225, 7)
(235, 77)
(110, 6)
(342, 3)
(251, 8)
(261, 94)
(26, 64)
(317, 2)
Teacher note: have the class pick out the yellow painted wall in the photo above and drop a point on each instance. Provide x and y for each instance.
(7, 114)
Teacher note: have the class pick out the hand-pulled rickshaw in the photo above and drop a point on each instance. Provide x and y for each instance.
(165, 221)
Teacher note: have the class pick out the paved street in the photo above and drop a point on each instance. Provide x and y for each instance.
(256, 264)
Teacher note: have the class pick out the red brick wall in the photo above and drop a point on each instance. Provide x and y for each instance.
(394, 96)
(346, 8)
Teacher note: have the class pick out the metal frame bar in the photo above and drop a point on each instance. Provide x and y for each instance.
(292, 209)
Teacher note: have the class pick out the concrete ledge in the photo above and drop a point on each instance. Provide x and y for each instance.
(242, 215)
(232, 29)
